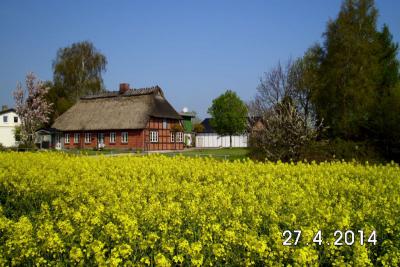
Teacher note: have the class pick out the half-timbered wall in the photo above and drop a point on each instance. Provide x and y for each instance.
(163, 127)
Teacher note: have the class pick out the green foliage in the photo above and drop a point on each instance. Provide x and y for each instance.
(229, 114)
(384, 126)
(349, 70)
(57, 209)
(58, 97)
(17, 133)
(354, 79)
(339, 149)
(77, 71)
(177, 128)
(198, 128)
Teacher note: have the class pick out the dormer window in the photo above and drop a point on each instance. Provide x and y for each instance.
(15, 119)
(5, 119)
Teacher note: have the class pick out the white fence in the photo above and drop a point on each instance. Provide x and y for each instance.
(215, 140)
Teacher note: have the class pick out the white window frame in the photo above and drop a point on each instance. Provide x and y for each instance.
(124, 137)
(113, 137)
(88, 138)
(172, 137)
(179, 137)
(5, 119)
(165, 124)
(153, 136)
(66, 138)
(76, 138)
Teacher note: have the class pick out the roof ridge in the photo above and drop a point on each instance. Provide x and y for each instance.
(130, 92)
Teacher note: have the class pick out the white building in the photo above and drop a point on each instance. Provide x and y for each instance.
(8, 121)
(209, 138)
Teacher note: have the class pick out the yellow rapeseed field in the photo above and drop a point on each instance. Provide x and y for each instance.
(58, 209)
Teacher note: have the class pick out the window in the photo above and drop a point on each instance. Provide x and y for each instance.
(179, 137)
(100, 139)
(164, 124)
(113, 137)
(76, 138)
(15, 119)
(5, 119)
(172, 137)
(88, 138)
(66, 141)
(153, 136)
(124, 137)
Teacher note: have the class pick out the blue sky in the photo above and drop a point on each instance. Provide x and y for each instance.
(194, 50)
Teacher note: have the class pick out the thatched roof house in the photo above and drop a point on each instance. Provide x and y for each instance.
(128, 118)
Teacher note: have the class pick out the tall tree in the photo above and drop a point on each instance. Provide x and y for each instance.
(349, 70)
(229, 115)
(32, 108)
(385, 123)
(303, 79)
(77, 70)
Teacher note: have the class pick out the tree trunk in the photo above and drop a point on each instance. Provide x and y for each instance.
(230, 141)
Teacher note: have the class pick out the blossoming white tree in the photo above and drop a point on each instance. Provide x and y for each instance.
(32, 107)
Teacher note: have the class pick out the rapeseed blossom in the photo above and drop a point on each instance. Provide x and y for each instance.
(161, 211)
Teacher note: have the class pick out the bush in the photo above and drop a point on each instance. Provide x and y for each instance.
(285, 133)
(339, 149)
(60, 209)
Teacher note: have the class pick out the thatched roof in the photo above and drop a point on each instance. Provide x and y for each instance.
(112, 110)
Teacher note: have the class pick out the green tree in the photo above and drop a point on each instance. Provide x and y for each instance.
(77, 71)
(198, 128)
(385, 123)
(60, 100)
(349, 70)
(302, 77)
(229, 115)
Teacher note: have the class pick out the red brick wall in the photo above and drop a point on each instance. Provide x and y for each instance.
(135, 139)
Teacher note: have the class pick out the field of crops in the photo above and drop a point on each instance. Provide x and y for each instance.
(157, 210)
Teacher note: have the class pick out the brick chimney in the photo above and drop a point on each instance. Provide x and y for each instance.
(123, 87)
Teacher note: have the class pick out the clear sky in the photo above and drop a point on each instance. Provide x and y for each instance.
(194, 50)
